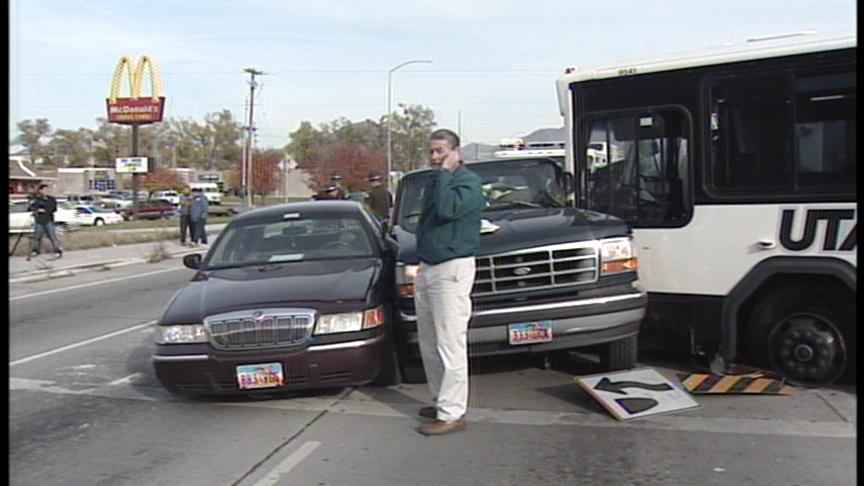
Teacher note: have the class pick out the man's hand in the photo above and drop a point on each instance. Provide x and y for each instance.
(451, 162)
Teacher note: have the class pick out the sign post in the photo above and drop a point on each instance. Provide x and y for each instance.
(135, 110)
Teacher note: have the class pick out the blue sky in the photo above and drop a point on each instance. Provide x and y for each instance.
(494, 63)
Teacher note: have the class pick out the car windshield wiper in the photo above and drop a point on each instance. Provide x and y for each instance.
(235, 265)
(510, 204)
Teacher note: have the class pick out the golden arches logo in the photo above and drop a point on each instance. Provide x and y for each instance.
(135, 109)
(135, 78)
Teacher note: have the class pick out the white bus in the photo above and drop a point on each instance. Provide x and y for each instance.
(736, 168)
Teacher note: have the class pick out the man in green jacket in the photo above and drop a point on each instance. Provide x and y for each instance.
(448, 237)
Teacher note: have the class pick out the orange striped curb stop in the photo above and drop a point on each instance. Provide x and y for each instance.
(751, 384)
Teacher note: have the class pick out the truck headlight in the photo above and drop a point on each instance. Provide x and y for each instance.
(405, 276)
(180, 334)
(616, 255)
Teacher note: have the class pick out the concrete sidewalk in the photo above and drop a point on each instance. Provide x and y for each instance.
(74, 261)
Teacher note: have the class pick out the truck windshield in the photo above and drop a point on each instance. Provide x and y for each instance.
(507, 184)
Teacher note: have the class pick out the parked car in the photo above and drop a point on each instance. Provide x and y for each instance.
(21, 218)
(549, 277)
(96, 216)
(149, 210)
(75, 199)
(294, 296)
(171, 196)
(115, 201)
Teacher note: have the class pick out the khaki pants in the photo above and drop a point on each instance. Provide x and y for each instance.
(442, 298)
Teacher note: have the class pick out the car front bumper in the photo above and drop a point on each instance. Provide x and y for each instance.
(347, 363)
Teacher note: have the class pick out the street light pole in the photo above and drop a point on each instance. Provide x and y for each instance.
(389, 117)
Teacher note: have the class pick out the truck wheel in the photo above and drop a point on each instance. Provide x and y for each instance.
(620, 354)
(413, 373)
(389, 374)
(805, 334)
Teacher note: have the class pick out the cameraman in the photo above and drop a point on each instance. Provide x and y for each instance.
(43, 208)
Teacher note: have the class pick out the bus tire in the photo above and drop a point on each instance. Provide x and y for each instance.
(806, 334)
(620, 354)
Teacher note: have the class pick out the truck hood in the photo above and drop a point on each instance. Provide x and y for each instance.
(305, 284)
(529, 227)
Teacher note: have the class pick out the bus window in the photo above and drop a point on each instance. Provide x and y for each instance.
(825, 145)
(636, 166)
(750, 136)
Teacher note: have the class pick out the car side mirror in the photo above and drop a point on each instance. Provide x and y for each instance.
(192, 261)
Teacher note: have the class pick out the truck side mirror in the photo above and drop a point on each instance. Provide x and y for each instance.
(192, 261)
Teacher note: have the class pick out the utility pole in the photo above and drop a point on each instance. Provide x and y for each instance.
(248, 160)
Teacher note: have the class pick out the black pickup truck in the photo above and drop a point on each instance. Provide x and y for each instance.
(549, 277)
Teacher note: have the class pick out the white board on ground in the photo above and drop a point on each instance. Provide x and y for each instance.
(636, 393)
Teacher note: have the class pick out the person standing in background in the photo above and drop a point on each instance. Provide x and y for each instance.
(198, 217)
(185, 223)
(379, 200)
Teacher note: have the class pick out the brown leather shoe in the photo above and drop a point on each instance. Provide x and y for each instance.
(428, 412)
(441, 427)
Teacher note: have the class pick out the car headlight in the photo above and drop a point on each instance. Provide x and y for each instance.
(616, 255)
(405, 276)
(180, 334)
(350, 321)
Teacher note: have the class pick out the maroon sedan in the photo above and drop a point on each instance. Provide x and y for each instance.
(289, 297)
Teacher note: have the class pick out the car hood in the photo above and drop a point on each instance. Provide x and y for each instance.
(529, 227)
(291, 284)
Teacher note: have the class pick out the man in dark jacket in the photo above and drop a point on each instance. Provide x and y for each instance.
(379, 199)
(43, 207)
(448, 238)
(198, 209)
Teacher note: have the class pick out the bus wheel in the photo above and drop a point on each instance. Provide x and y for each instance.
(803, 333)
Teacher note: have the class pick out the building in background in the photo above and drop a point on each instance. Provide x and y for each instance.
(24, 178)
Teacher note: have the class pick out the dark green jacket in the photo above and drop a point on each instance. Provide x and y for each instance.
(449, 224)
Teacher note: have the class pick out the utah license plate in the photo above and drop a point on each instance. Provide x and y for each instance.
(530, 332)
(265, 375)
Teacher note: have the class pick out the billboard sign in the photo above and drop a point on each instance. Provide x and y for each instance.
(135, 109)
(131, 165)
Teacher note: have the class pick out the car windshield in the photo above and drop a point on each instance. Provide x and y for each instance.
(301, 237)
(507, 184)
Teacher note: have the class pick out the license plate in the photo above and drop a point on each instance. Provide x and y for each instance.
(265, 375)
(530, 332)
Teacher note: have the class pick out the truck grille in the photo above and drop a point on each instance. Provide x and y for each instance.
(260, 329)
(537, 268)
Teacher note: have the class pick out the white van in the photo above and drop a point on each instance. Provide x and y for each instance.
(210, 190)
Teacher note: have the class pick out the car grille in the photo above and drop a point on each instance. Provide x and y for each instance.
(266, 328)
(537, 268)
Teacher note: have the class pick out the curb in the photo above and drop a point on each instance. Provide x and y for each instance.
(71, 270)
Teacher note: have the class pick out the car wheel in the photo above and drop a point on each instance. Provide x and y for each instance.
(804, 333)
(98, 222)
(620, 354)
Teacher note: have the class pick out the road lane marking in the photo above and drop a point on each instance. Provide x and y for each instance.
(289, 463)
(81, 343)
(125, 379)
(91, 284)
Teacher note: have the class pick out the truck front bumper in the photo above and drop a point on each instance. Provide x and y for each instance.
(575, 323)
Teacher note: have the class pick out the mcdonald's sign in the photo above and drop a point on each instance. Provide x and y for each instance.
(135, 109)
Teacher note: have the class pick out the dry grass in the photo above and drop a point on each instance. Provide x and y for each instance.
(158, 253)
